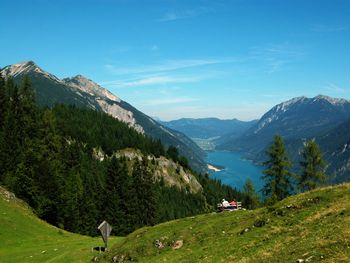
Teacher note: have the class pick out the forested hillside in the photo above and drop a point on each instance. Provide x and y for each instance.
(85, 93)
(63, 161)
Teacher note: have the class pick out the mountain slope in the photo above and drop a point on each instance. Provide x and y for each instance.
(297, 118)
(335, 146)
(310, 227)
(25, 238)
(83, 92)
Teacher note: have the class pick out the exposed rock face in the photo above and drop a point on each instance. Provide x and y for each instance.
(121, 114)
(26, 67)
(87, 85)
(172, 173)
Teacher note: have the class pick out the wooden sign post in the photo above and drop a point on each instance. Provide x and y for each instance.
(105, 230)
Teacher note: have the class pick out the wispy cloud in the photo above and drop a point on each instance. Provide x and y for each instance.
(335, 88)
(167, 101)
(164, 66)
(328, 28)
(184, 14)
(275, 57)
(151, 80)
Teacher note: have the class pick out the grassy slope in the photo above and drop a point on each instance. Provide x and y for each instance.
(313, 226)
(25, 238)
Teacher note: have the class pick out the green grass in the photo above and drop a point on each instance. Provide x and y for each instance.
(25, 238)
(313, 226)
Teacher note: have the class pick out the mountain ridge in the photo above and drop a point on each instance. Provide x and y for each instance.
(83, 92)
(322, 118)
(300, 117)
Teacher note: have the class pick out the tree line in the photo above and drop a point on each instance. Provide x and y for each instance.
(49, 158)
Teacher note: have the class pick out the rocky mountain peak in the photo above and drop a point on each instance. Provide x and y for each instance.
(302, 107)
(25, 68)
(333, 101)
(85, 84)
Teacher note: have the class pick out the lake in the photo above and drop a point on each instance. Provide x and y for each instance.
(235, 170)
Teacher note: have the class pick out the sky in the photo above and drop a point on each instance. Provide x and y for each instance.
(187, 58)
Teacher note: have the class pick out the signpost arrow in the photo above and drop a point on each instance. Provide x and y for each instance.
(105, 230)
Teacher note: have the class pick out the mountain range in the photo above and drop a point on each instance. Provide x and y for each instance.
(325, 119)
(83, 92)
(206, 128)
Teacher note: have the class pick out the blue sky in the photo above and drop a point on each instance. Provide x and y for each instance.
(173, 58)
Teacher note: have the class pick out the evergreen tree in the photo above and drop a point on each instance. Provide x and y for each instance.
(71, 188)
(251, 198)
(3, 102)
(118, 196)
(47, 158)
(28, 109)
(145, 194)
(173, 153)
(313, 167)
(10, 152)
(277, 176)
(3, 113)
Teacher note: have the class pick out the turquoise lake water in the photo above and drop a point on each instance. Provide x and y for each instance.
(235, 169)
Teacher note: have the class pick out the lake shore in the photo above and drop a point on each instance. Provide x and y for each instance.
(213, 168)
(235, 170)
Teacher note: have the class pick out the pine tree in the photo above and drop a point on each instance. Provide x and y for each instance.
(313, 167)
(3, 102)
(28, 109)
(145, 194)
(71, 190)
(277, 176)
(3, 113)
(173, 153)
(10, 152)
(251, 198)
(47, 160)
(150, 202)
(118, 197)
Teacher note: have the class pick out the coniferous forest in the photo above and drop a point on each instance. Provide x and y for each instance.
(48, 157)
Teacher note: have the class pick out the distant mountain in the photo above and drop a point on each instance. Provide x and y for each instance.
(206, 128)
(208, 132)
(294, 119)
(83, 92)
